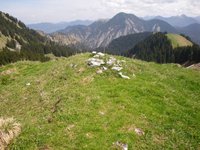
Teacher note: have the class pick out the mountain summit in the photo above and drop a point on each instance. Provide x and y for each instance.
(100, 34)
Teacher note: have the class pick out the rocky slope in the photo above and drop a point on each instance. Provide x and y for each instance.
(101, 33)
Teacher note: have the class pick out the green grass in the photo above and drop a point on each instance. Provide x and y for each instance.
(178, 40)
(96, 110)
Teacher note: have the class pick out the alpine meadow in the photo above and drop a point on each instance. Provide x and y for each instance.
(100, 75)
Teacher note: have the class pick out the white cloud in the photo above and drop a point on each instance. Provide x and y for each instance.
(65, 10)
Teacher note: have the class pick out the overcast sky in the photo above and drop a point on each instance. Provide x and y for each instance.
(34, 11)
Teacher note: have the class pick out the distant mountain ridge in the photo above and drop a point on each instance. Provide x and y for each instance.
(193, 31)
(178, 21)
(53, 27)
(101, 33)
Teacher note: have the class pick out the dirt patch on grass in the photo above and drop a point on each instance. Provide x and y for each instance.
(128, 128)
(195, 66)
(9, 130)
(87, 80)
(81, 70)
(9, 71)
(159, 139)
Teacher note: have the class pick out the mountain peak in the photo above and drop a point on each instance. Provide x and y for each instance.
(183, 16)
(123, 14)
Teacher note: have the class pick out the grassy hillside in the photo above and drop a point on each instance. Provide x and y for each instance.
(178, 40)
(3, 41)
(65, 106)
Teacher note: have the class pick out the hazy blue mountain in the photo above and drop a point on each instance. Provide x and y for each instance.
(53, 27)
(178, 21)
(198, 18)
(193, 31)
(102, 32)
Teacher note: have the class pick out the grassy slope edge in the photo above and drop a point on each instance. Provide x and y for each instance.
(178, 40)
(96, 110)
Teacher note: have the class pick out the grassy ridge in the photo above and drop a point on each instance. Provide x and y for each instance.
(75, 108)
(178, 40)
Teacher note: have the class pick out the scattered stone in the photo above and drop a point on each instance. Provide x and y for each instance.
(28, 84)
(94, 62)
(111, 61)
(123, 76)
(120, 145)
(73, 65)
(139, 131)
(102, 113)
(104, 68)
(98, 55)
(94, 52)
(99, 71)
(117, 68)
(101, 54)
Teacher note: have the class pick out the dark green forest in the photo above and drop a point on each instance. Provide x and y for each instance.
(158, 48)
(121, 45)
(33, 45)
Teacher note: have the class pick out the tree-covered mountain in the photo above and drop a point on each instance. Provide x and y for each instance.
(158, 48)
(20, 42)
(122, 44)
(101, 33)
(53, 27)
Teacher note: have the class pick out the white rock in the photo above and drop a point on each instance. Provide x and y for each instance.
(123, 76)
(28, 84)
(96, 56)
(104, 68)
(101, 54)
(102, 113)
(139, 132)
(94, 62)
(94, 52)
(73, 65)
(117, 68)
(111, 61)
(121, 145)
(99, 71)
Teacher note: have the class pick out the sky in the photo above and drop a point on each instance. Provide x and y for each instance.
(35, 11)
